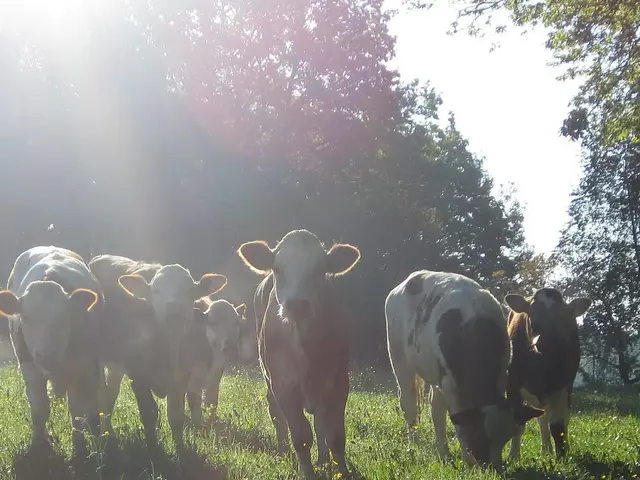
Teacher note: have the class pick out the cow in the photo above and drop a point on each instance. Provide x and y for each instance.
(51, 301)
(213, 341)
(546, 356)
(133, 342)
(302, 341)
(171, 293)
(445, 330)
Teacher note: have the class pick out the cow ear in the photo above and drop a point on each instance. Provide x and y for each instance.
(257, 256)
(241, 310)
(199, 316)
(517, 303)
(136, 286)
(209, 284)
(342, 258)
(9, 303)
(523, 413)
(84, 298)
(579, 306)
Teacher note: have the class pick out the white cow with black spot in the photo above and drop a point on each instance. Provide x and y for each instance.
(445, 329)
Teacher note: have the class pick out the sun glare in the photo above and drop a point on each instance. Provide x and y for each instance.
(54, 20)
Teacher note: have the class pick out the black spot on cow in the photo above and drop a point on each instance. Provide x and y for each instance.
(474, 353)
(429, 304)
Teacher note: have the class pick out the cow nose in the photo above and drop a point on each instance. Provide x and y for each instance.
(298, 307)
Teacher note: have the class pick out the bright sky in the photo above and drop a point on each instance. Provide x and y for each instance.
(509, 105)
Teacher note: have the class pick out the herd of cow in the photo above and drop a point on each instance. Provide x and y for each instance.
(83, 326)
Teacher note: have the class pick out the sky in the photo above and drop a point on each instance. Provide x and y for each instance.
(507, 103)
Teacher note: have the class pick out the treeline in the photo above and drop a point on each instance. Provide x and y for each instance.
(175, 131)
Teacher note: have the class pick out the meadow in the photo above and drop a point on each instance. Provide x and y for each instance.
(604, 435)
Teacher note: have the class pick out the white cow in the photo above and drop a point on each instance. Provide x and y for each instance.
(445, 329)
(172, 292)
(213, 342)
(50, 292)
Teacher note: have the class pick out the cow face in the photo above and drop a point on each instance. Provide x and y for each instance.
(222, 325)
(548, 309)
(300, 266)
(485, 433)
(46, 315)
(172, 292)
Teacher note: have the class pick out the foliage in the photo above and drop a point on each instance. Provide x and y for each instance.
(177, 131)
(603, 439)
(600, 248)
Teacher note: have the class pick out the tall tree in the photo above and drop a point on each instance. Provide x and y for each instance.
(600, 249)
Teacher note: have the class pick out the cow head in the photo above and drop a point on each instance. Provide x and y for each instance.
(172, 292)
(222, 324)
(484, 431)
(46, 316)
(548, 310)
(300, 267)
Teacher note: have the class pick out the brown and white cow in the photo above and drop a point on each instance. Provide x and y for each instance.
(172, 292)
(213, 341)
(546, 356)
(50, 297)
(133, 342)
(445, 329)
(302, 341)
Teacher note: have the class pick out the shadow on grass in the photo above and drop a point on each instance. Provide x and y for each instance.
(586, 464)
(134, 460)
(251, 440)
(42, 463)
(620, 401)
(131, 460)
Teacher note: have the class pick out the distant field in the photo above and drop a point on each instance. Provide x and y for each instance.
(604, 433)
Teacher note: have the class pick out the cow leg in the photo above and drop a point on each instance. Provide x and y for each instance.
(175, 412)
(319, 424)
(113, 380)
(545, 433)
(36, 387)
(406, 379)
(148, 412)
(279, 422)
(301, 434)
(516, 442)
(194, 399)
(559, 420)
(333, 421)
(212, 393)
(439, 418)
(82, 396)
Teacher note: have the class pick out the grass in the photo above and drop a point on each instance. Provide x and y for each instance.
(604, 435)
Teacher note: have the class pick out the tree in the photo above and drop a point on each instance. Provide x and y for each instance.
(600, 249)
(144, 141)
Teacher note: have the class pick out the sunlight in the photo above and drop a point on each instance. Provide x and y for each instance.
(56, 20)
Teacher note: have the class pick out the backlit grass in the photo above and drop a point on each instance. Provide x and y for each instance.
(604, 435)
